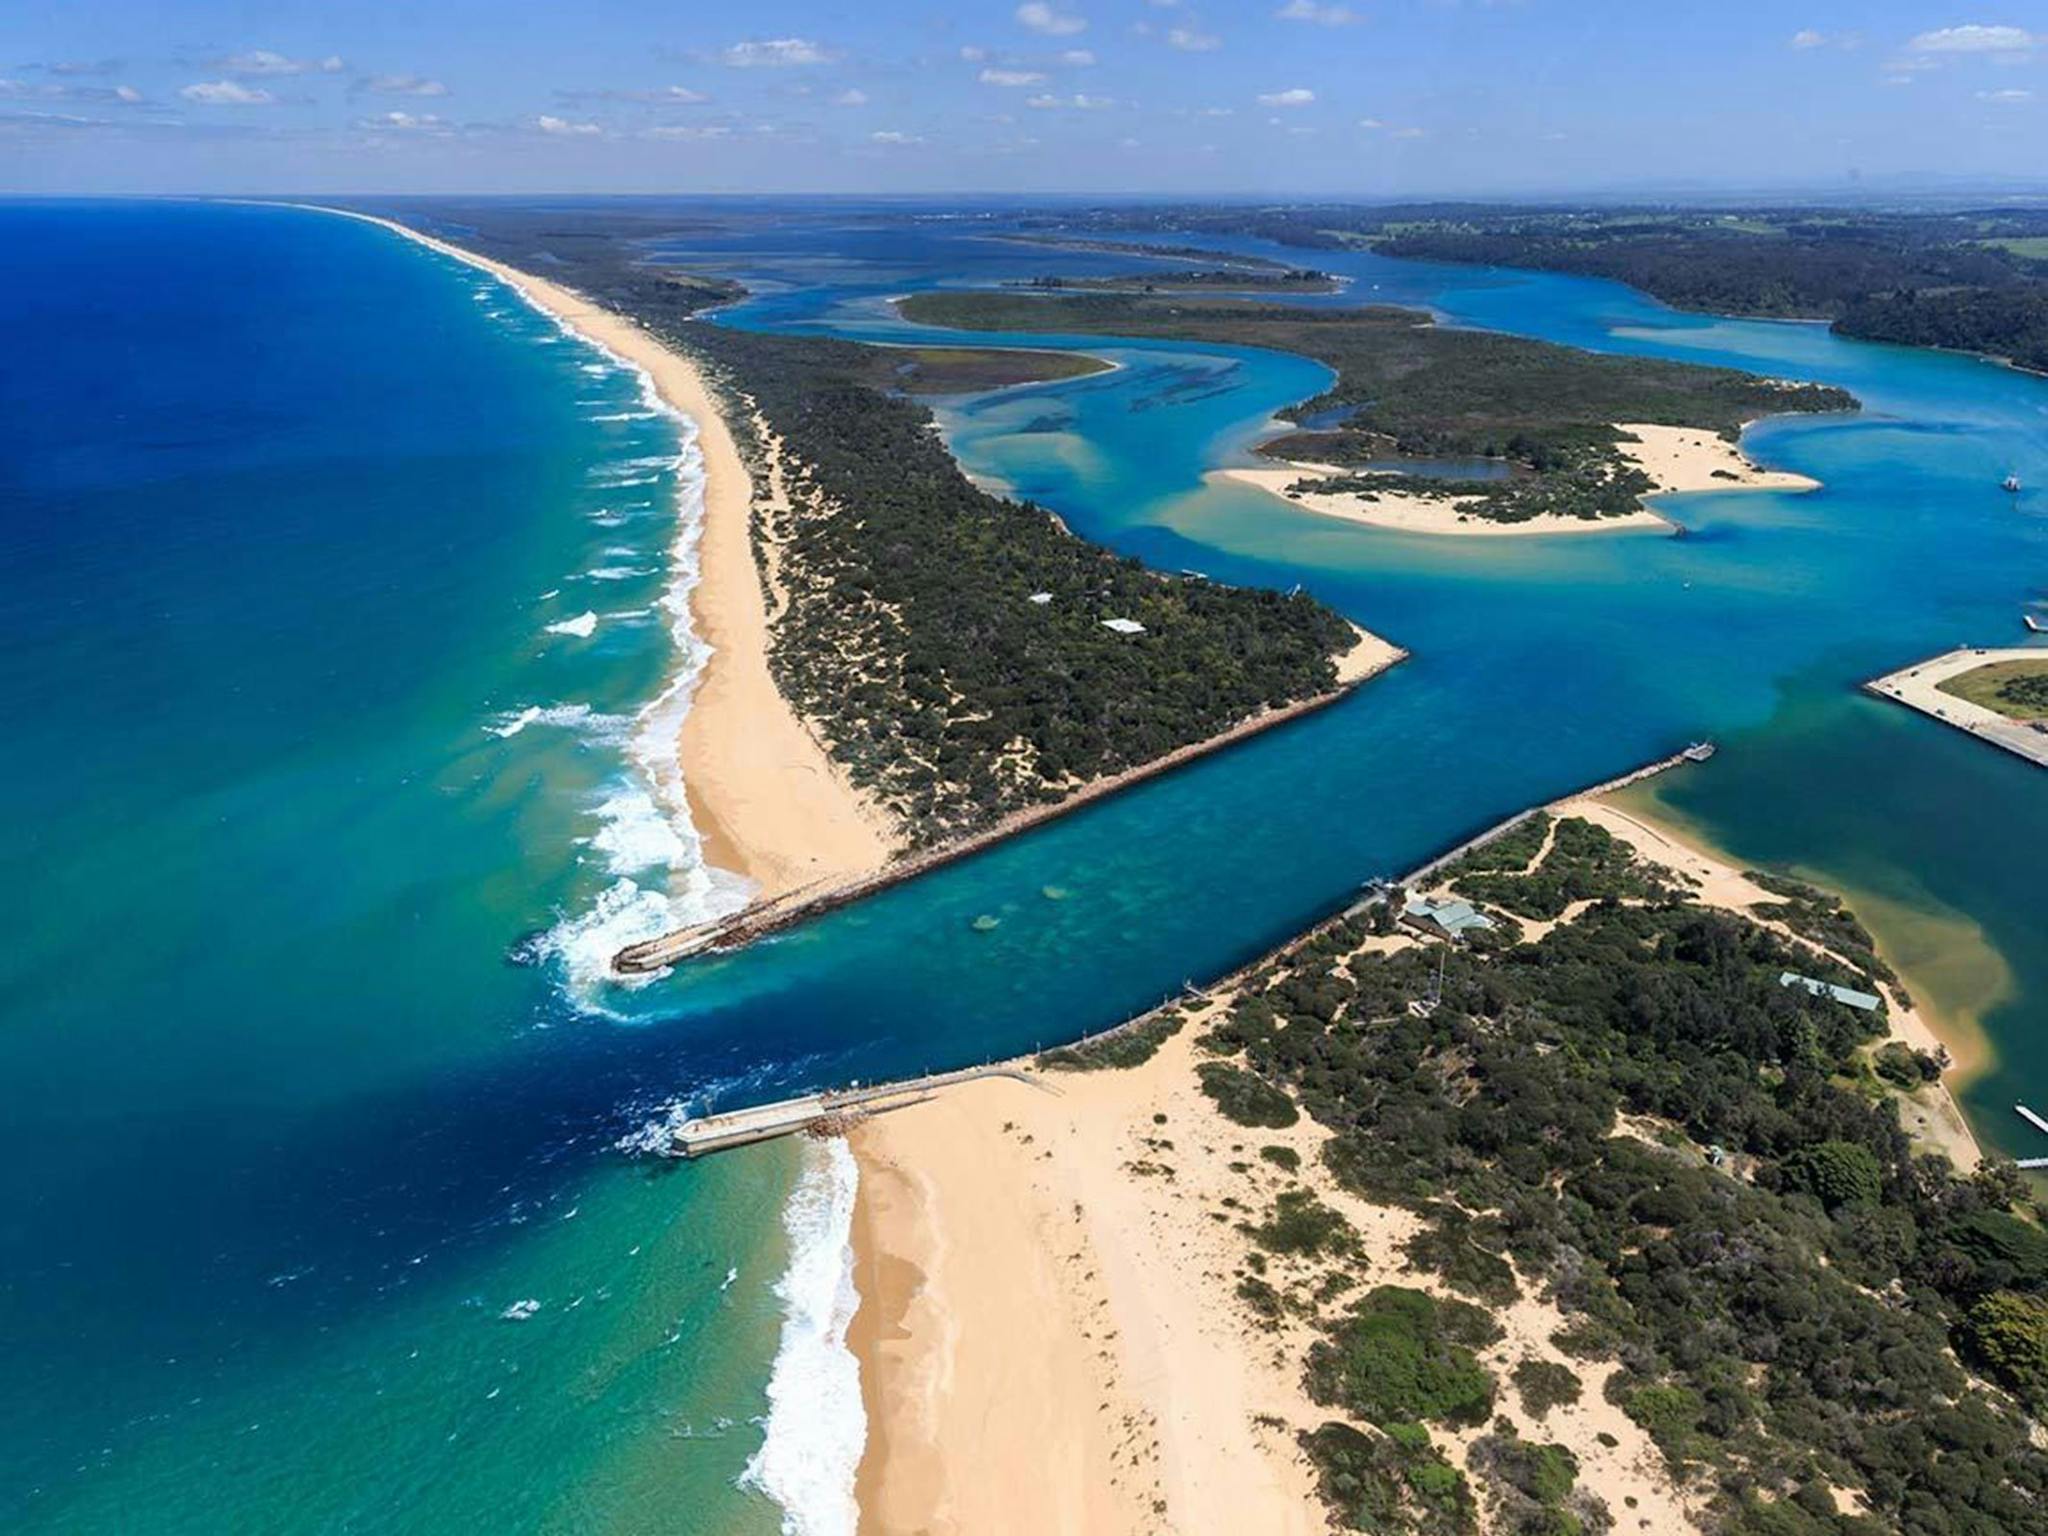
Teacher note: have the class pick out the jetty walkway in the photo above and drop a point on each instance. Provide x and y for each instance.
(830, 1113)
(1919, 687)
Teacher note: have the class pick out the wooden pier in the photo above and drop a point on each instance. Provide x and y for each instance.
(830, 1113)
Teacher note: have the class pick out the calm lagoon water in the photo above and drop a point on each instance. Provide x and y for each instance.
(290, 1128)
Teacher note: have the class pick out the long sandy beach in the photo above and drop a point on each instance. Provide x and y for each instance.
(766, 798)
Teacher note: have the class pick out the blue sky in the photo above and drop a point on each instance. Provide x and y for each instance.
(1366, 97)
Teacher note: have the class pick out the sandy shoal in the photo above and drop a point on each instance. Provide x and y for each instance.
(1931, 1116)
(1677, 459)
(766, 798)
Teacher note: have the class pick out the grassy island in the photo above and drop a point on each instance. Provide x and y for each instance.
(1408, 388)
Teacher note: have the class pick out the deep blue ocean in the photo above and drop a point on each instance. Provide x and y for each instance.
(337, 630)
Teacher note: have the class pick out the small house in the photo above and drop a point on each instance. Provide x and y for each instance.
(1124, 626)
(1848, 997)
(1444, 919)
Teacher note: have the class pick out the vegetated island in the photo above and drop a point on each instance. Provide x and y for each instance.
(1970, 280)
(963, 662)
(1591, 1222)
(1198, 280)
(1582, 437)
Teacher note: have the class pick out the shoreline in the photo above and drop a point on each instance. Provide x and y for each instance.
(1046, 1305)
(767, 801)
(1368, 657)
(1680, 460)
(1932, 1117)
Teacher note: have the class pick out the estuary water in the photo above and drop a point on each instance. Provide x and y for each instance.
(340, 641)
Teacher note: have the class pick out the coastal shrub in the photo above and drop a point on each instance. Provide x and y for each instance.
(1903, 1067)
(1393, 1484)
(1132, 1046)
(1669, 1414)
(1838, 1172)
(1392, 1360)
(2007, 1334)
(2003, 1250)
(1285, 1158)
(1301, 1224)
(1543, 1385)
(1246, 1098)
(1447, 1247)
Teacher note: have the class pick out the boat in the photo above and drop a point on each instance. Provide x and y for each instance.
(1698, 752)
(2035, 624)
(2010, 483)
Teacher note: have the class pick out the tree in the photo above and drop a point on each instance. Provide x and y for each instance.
(2008, 1334)
(1839, 1172)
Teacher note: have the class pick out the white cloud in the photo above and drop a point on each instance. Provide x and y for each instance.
(226, 93)
(2008, 97)
(890, 136)
(972, 54)
(1370, 122)
(775, 53)
(404, 122)
(1411, 133)
(1040, 17)
(1321, 15)
(850, 98)
(1077, 101)
(1011, 77)
(1187, 40)
(1973, 37)
(403, 85)
(261, 61)
(1299, 96)
(688, 131)
(127, 93)
(563, 128)
(1808, 37)
(1077, 58)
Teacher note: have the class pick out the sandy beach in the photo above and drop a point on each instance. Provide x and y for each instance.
(767, 799)
(1050, 1333)
(1678, 459)
(1051, 1338)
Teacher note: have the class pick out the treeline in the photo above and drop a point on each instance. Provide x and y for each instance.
(1407, 387)
(2002, 322)
(910, 639)
(1972, 280)
(1783, 1282)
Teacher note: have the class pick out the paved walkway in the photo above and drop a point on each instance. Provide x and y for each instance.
(1919, 687)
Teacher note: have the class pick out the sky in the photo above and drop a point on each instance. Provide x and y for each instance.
(1370, 98)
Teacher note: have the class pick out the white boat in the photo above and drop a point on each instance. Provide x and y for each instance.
(2010, 483)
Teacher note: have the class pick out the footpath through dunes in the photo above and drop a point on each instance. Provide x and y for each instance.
(1573, 440)
(1496, 1236)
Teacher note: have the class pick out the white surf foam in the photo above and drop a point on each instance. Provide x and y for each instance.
(616, 573)
(581, 718)
(816, 1428)
(583, 626)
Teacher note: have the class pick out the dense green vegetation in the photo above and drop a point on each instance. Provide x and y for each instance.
(909, 637)
(1791, 1292)
(1583, 863)
(1407, 387)
(906, 635)
(969, 370)
(1133, 1045)
(1974, 279)
(1198, 280)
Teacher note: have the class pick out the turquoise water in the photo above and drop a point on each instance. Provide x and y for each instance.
(304, 1087)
